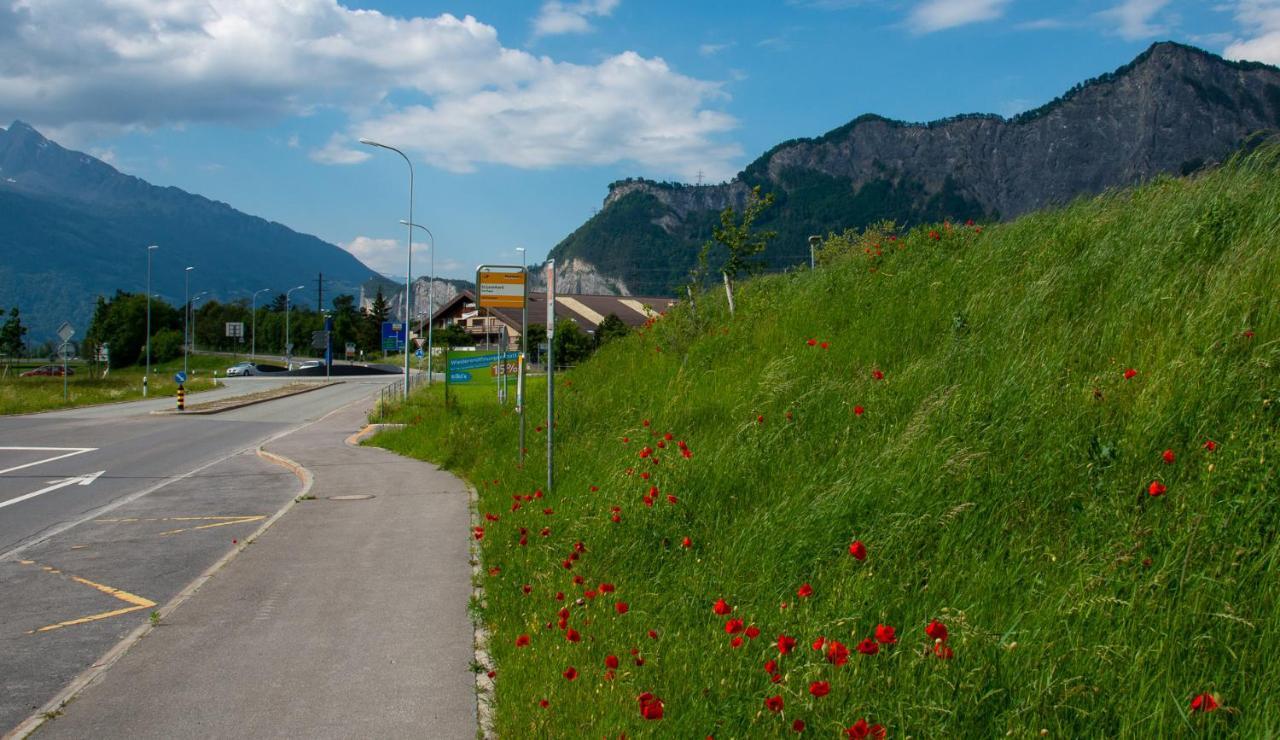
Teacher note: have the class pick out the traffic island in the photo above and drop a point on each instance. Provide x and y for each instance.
(239, 402)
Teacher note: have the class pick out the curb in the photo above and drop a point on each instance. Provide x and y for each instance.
(368, 431)
(90, 675)
(484, 684)
(242, 404)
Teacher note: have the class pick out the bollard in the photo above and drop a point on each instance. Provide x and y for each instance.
(182, 397)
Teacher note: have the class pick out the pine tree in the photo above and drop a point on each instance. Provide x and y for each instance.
(12, 333)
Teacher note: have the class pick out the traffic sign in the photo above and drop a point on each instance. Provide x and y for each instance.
(393, 336)
(351, 349)
(500, 286)
(235, 329)
(319, 339)
(420, 354)
(179, 377)
(65, 332)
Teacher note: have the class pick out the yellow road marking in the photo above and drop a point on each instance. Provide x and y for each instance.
(137, 601)
(215, 521)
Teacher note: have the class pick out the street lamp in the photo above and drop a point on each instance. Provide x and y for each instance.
(195, 298)
(150, 249)
(408, 270)
(288, 349)
(253, 344)
(431, 298)
(186, 319)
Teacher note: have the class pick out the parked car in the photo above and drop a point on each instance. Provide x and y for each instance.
(241, 369)
(310, 364)
(48, 370)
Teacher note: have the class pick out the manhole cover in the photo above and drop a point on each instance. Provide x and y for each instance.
(352, 497)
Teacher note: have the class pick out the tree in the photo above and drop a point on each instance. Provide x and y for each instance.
(374, 318)
(12, 333)
(739, 241)
(279, 303)
(536, 337)
(345, 321)
(611, 328)
(454, 335)
(573, 345)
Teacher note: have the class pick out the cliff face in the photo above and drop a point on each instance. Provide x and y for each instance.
(1172, 110)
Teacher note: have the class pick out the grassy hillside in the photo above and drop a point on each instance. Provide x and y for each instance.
(999, 476)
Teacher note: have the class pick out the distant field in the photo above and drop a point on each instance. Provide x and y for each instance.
(20, 395)
(1007, 481)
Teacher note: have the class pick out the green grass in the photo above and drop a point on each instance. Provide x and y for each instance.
(998, 479)
(20, 395)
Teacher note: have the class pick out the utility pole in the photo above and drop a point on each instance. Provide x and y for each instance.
(320, 292)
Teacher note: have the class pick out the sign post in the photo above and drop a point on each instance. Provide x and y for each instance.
(505, 286)
(65, 332)
(551, 372)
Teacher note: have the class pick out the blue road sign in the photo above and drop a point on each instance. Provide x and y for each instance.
(479, 361)
(420, 353)
(393, 335)
(179, 377)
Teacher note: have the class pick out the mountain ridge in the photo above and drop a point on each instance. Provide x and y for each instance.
(1172, 109)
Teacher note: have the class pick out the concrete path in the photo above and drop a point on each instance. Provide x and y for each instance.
(344, 619)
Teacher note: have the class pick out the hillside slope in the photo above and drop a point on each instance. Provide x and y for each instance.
(1058, 437)
(1173, 109)
(75, 228)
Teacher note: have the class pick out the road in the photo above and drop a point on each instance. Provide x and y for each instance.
(107, 511)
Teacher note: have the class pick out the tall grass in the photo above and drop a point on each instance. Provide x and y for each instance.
(20, 395)
(998, 477)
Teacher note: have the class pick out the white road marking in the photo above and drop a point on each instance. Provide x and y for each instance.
(67, 452)
(79, 480)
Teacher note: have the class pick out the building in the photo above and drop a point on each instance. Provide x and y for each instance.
(586, 310)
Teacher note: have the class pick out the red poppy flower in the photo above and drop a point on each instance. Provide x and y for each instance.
(858, 550)
(736, 642)
(1248, 333)
(774, 703)
(595, 488)
(942, 650)
(589, 593)
(858, 411)
(544, 703)
(1130, 373)
(545, 531)
(885, 635)
(937, 630)
(770, 666)
(1210, 445)
(559, 595)
(877, 375)
(868, 647)
(837, 653)
(644, 475)
(786, 644)
(753, 632)
(812, 342)
(733, 626)
(776, 678)
(491, 517)
(522, 641)
(572, 635)
(721, 607)
(653, 635)
(805, 591)
(861, 729)
(571, 673)
(1204, 703)
(607, 588)
(645, 422)
(526, 588)
(1167, 456)
(826, 345)
(797, 726)
(495, 570)
(760, 419)
(548, 512)
(478, 532)
(819, 688)
(646, 452)
(611, 661)
(934, 235)
(672, 499)
(686, 542)
(818, 643)
(1156, 488)
(650, 706)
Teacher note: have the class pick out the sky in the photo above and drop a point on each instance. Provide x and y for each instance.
(517, 115)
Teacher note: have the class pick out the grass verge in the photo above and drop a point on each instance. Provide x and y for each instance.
(1057, 438)
(20, 395)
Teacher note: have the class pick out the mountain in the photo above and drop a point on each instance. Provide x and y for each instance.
(1174, 109)
(76, 228)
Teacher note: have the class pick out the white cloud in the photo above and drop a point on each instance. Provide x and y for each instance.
(382, 255)
(293, 142)
(1135, 19)
(558, 17)
(444, 88)
(710, 50)
(937, 15)
(1260, 24)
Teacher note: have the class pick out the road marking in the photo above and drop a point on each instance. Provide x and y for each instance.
(70, 452)
(138, 602)
(79, 480)
(217, 521)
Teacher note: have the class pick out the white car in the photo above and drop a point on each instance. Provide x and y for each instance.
(241, 369)
(310, 364)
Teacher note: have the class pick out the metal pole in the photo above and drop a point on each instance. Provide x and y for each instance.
(186, 319)
(288, 351)
(814, 241)
(408, 272)
(147, 374)
(64, 371)
(253, 345)
(524, 344)
(551, 372)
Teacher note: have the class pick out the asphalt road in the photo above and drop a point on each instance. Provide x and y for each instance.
(106, 509)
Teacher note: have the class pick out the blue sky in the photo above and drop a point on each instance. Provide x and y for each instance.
(518, 114)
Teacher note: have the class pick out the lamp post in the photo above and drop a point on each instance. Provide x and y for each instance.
(150, 249)
(186, 318)
(431, 299)
(408, 270)
(253, 343)
(195, 298)
(288, 350)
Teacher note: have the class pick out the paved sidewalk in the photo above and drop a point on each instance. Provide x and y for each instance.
(345, 619)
